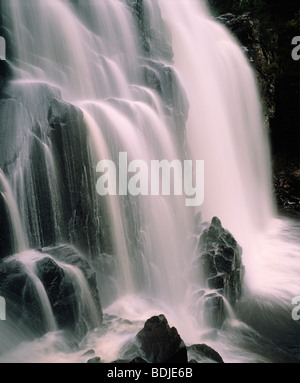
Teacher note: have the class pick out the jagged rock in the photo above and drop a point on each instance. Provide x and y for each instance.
(204, 352)
(159, 343)
(221, 261)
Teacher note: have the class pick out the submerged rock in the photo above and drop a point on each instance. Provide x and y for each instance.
(159, 343)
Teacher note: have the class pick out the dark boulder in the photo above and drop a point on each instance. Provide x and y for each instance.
(203, 352)
(159, 343)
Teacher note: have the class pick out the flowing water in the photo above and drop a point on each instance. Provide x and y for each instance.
(176, 88)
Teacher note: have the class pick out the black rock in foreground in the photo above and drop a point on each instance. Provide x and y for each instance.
(159, 343)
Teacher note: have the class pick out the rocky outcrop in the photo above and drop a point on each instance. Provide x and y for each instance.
(223, 271)
(159, 343)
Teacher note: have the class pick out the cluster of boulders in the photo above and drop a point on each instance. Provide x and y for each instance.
(157, 342)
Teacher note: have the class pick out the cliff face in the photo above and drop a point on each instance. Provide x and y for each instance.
(265, 30)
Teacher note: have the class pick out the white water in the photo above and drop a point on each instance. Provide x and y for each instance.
(95, 61)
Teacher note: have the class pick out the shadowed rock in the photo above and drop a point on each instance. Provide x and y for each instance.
(159, 343)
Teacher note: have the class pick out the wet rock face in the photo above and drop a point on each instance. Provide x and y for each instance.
(55, 183)
(223, 271)
(247, 30)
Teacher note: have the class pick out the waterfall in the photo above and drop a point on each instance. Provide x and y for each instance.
(225, 121)
(156, 80)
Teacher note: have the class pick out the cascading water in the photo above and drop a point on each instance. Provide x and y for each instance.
(112, 59)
